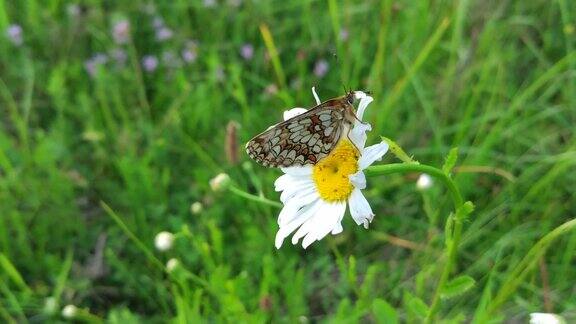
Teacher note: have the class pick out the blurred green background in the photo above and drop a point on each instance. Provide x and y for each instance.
(116, 114)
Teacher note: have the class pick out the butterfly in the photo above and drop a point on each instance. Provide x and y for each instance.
(307, 138)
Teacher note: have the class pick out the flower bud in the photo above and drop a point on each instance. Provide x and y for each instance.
(69, 311)
(196, 208)
(164, 241)
(424, 182)
(220, 182)
(172, 264)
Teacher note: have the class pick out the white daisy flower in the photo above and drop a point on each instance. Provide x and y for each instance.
(315, 197)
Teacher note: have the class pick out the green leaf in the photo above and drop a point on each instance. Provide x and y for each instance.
(458, 286)
(384, 312)
(418, 307)
(450, 160)
(352, 271)
(398, 151)
(466, 209)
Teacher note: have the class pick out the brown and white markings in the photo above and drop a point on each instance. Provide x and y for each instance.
(307, 138)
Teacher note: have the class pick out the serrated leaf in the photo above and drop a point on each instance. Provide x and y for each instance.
(398, 151)
(450, 160)
(384, 312)
(458, 286)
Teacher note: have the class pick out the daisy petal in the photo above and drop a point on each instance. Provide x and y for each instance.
(365, 100)
(298, 219)
(371, 154)
(360, 209)
(293, 205)
(330, 217)
(321, 215)
(301, 188)
(337, 229)
(298, 170)
(293, 112)
(358, 179)
(287, 181)
(358, 134)
(337, 211)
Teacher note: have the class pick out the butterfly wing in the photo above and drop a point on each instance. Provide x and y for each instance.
(302, 140)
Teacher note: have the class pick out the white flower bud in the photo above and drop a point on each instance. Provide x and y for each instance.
(220, 182)
(546, 318)
(163, 241)
(424, 182)
(196, 208)
(69, 311)
(172, 264)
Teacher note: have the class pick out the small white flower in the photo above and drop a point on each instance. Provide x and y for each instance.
(196, 208)
(315, 197)
(164, 241)
(546, 318)
(220, 182)
(172, 264)
(69, 311)
(424, 182)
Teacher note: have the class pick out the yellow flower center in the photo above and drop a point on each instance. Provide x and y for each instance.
(331, 173)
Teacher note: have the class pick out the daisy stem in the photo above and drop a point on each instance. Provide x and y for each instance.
(249, 196)
(461, 211)
(377, 170)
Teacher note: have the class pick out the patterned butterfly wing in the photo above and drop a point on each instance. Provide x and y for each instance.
(302, 140)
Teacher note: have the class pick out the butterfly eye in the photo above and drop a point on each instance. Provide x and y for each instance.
(350, 97)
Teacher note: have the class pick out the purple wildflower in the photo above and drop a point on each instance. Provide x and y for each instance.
(321, 68)
(14, 33)
(119, 55)
(189, 55)
(157, 22)
(92, 64)
(149, 63)
(164, 33)
(121, 31)
(190, 52)
(247, 51)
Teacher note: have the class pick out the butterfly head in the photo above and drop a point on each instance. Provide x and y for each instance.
(350, 97)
